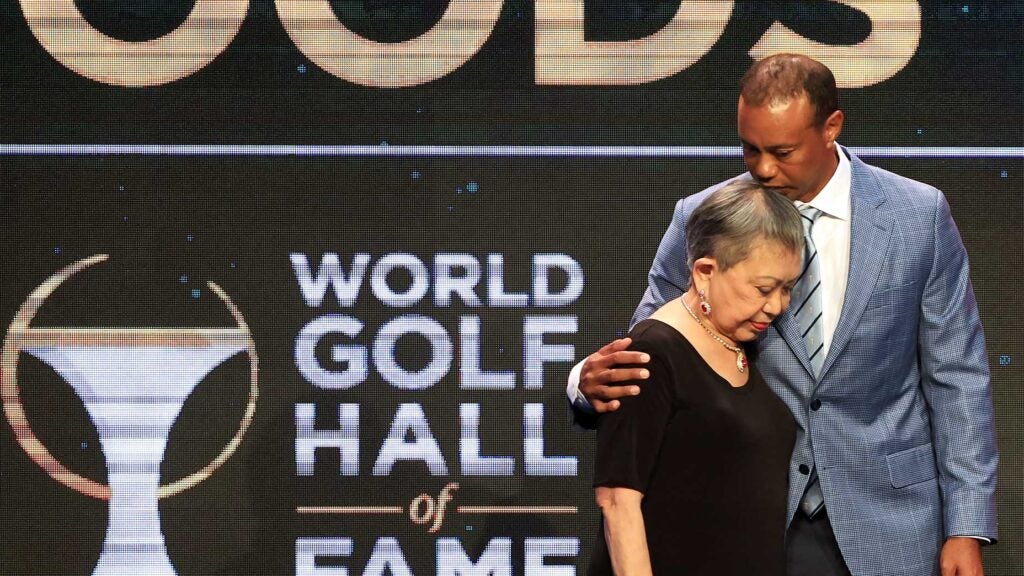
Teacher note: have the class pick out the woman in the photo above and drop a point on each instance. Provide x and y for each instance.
(691, 475)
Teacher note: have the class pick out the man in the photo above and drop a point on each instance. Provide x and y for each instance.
(881, 356)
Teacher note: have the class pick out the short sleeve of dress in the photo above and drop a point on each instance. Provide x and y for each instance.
(629, 439)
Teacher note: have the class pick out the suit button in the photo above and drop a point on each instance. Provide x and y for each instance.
(815, 404)
(804, 469)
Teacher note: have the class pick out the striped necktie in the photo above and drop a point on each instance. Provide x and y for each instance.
(806, 299)
(807, 312)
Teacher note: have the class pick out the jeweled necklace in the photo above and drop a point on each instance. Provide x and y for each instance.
(741, 358)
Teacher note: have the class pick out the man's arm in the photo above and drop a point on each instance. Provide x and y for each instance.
(605, 365)
(955, 382)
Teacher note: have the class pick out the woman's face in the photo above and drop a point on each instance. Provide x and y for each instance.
(746, 298)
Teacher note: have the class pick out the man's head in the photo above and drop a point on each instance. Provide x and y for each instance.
(788, 121)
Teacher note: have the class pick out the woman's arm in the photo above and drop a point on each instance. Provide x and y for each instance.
(624, 530)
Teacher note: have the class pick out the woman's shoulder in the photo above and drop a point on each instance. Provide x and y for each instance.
(671, 364)
(659, 339)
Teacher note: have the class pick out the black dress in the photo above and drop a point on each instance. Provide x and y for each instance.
(711, 460)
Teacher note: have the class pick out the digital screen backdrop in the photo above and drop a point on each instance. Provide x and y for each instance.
(294, 287)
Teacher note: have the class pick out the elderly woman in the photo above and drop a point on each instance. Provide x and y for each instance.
(691, 475)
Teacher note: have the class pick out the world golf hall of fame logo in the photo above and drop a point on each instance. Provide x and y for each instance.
(133, 383)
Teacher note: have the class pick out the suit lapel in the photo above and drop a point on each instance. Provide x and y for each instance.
(788, 327)
(869, 239)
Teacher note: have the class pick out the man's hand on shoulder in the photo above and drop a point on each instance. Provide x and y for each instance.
(601, 372)
(961, 556)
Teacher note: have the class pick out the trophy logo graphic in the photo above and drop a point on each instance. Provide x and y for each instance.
(133, 383)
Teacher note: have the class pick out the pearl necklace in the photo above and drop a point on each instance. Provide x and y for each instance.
(741, 358)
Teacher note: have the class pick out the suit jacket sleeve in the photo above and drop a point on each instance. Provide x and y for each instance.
(955, 382)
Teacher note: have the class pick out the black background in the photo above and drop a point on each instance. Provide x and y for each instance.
(172, 223)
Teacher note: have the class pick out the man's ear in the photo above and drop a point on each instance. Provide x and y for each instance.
(834, 127)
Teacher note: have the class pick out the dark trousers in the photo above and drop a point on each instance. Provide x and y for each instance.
(811, 548)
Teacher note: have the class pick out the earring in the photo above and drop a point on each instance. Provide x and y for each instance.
(705, 306)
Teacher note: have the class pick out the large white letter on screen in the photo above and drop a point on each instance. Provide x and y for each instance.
(71, 39)
(353, 355)
(495, 560)
(307, 550)
(542, 266)
(462, 30)
(895, 33)
(565, 57)
(387, 557)
(410, 419)
(330, 273)
(536, 353)
(345, 439)
(537, 549)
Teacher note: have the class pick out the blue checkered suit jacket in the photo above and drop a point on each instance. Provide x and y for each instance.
(904, 439)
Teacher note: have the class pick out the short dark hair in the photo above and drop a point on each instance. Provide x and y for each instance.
(782, 77)
(733, 218)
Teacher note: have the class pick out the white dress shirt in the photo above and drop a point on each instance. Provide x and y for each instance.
(831, 235)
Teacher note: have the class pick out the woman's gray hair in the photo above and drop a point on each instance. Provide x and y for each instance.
(729, 221)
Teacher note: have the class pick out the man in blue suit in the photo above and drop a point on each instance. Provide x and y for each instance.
(894, 467)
